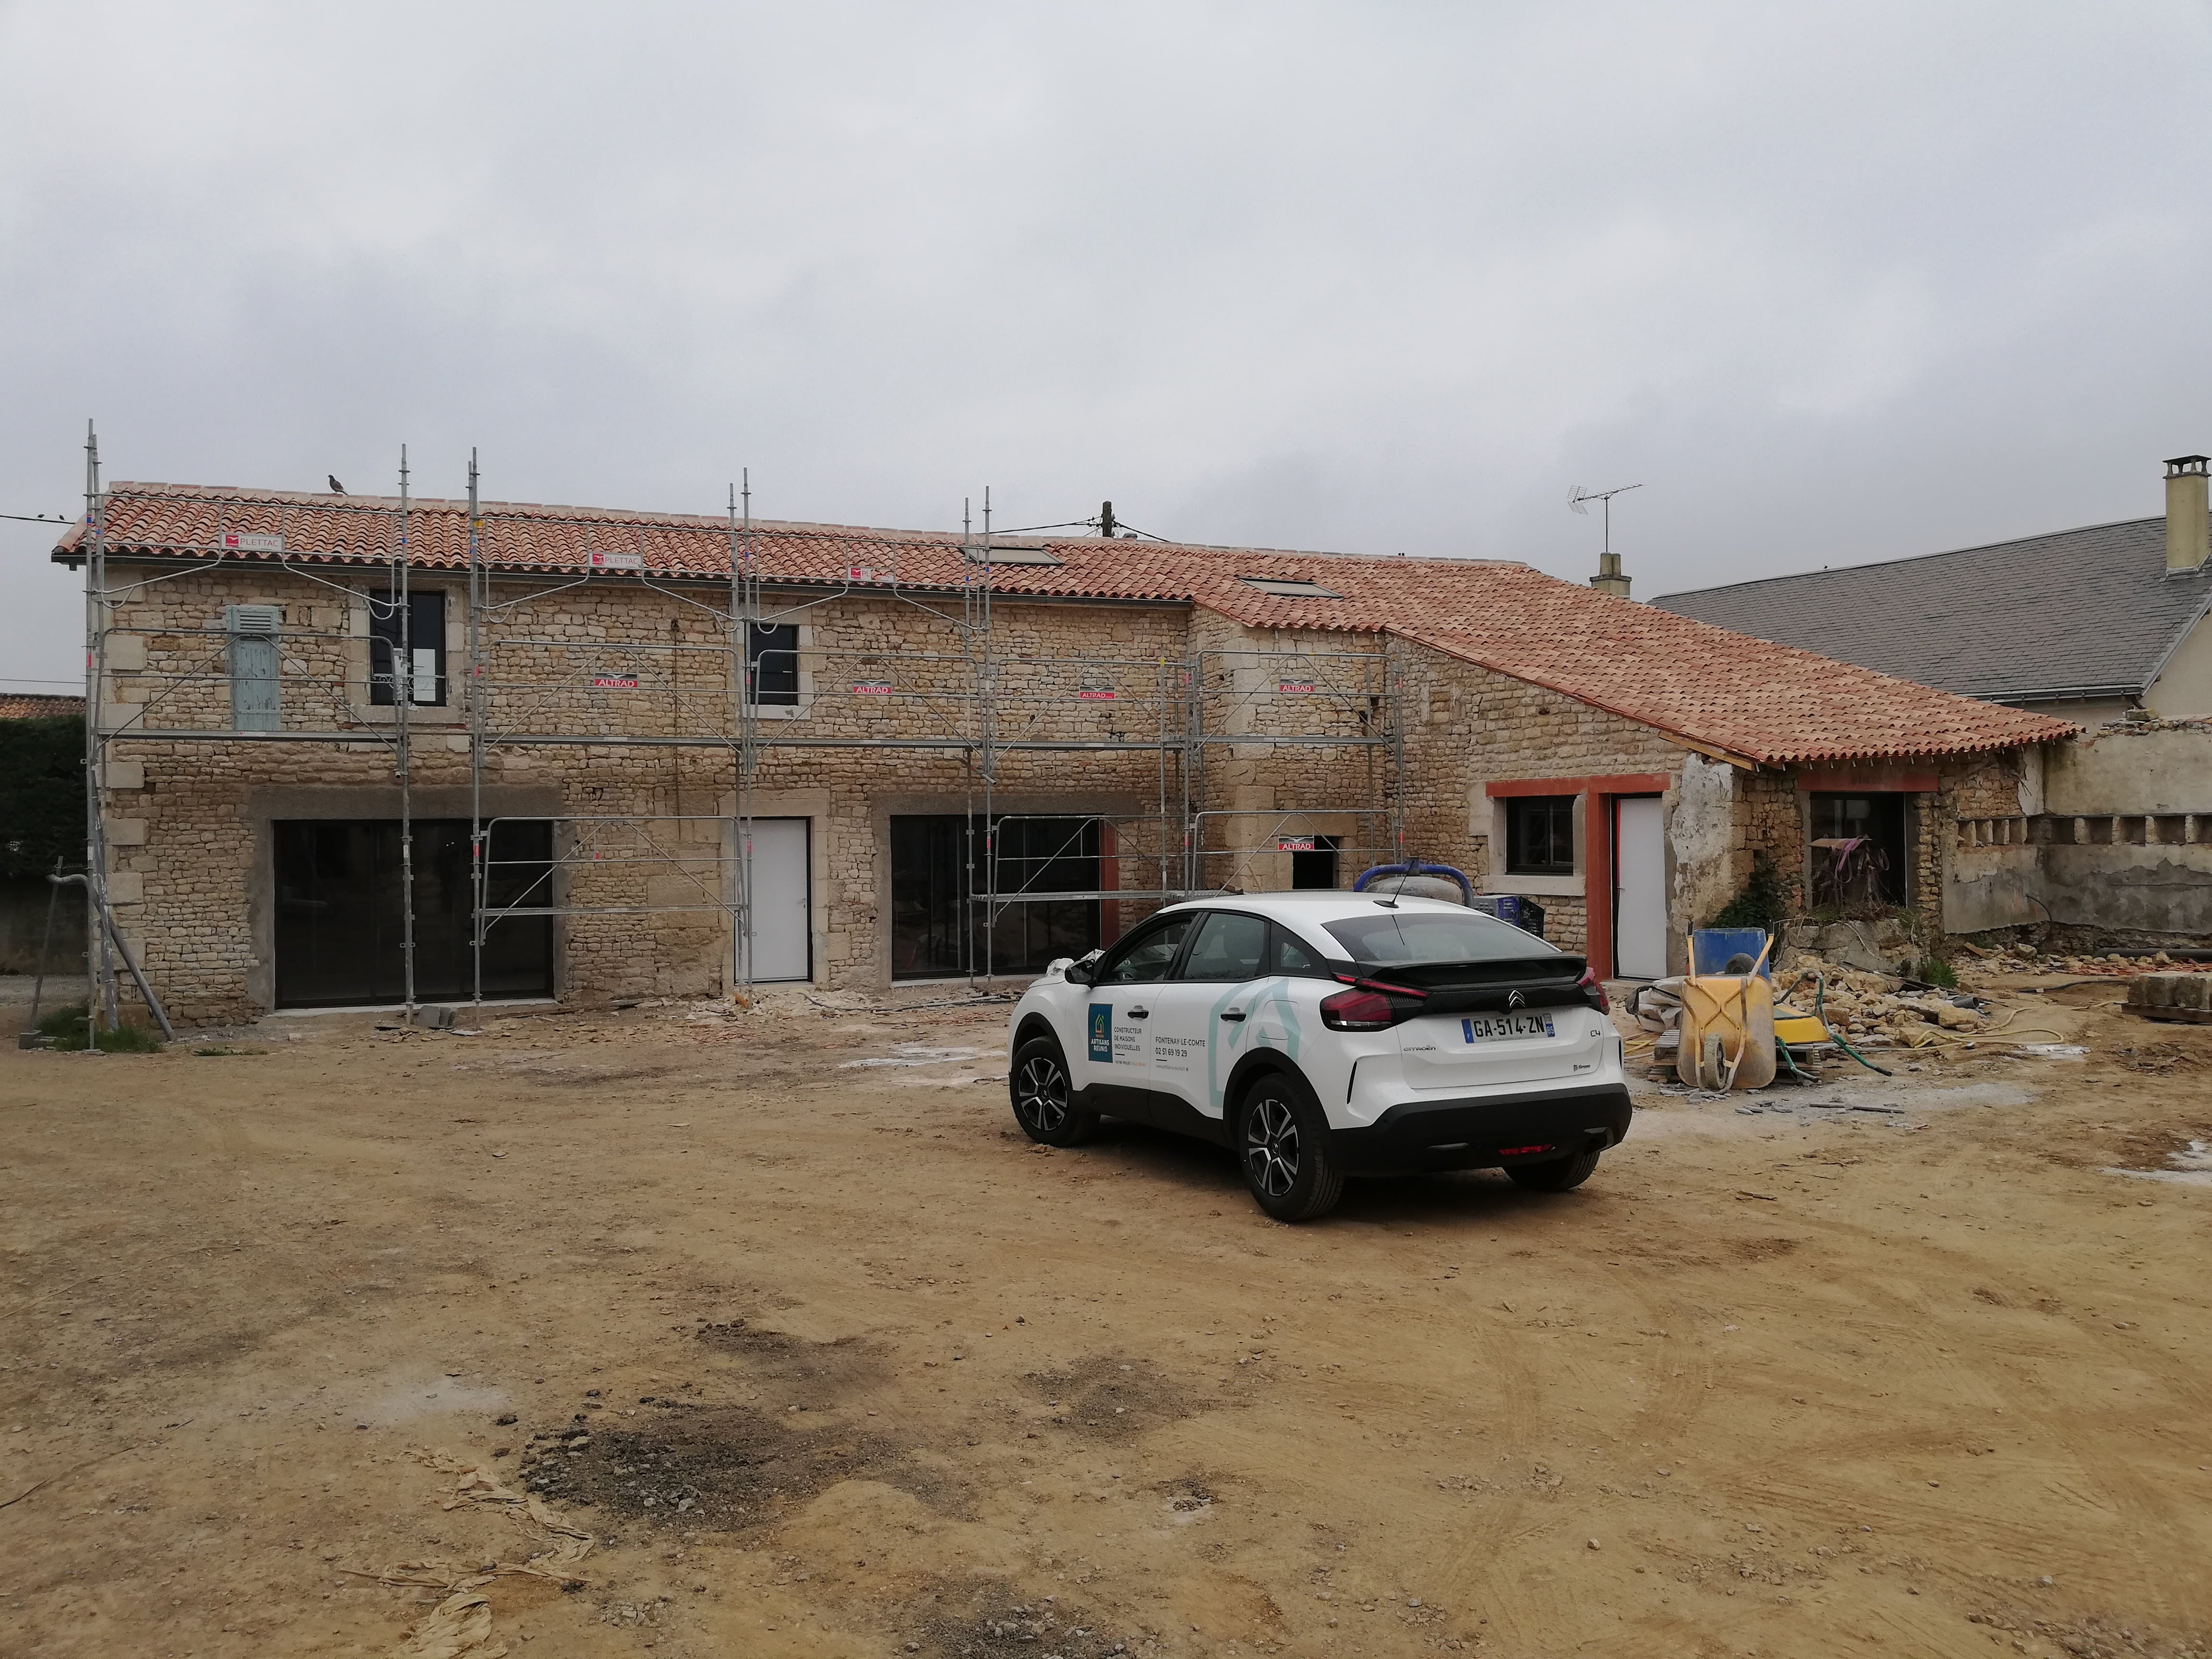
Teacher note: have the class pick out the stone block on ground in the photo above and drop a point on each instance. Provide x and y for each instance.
(2172, 996)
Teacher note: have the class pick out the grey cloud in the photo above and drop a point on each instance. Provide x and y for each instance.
(1835, 283)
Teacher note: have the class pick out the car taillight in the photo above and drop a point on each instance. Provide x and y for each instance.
(1370, 1006)
(1357, 1010)
(1589, 988)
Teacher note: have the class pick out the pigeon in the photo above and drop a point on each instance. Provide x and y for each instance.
(337, 489)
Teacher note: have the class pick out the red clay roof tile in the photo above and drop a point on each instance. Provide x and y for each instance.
(1759, 701)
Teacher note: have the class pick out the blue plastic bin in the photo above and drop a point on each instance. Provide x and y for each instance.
(1712, 947)
(1523, 913)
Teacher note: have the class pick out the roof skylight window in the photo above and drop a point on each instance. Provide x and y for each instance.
(1001, 554)
(1290, 588)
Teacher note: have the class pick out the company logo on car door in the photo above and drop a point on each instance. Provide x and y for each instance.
(1102, 1032)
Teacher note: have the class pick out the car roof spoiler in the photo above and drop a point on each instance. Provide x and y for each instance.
(1415, 867)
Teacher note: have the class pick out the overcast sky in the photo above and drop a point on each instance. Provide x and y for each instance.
(1834, 283)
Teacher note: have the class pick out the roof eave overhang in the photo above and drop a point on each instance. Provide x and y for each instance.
(1777, 760)
(2056, 694)
(74, 557)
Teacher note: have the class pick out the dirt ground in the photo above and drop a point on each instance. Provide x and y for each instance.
(826, 1360)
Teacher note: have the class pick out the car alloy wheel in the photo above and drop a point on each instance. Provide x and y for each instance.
(1271, 1146)
(1041, 1094)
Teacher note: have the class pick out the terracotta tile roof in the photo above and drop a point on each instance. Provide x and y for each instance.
(32, 706)
(1757, 700)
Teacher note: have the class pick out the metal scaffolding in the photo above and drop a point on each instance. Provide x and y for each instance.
(526, 681)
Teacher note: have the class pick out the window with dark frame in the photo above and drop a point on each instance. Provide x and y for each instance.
(340, 924)
(425, 670)
(772, 664)
(1539, 836)
(937, 928)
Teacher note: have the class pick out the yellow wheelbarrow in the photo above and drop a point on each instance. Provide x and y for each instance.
(1728, 1029)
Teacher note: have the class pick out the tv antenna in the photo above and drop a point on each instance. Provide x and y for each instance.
(1609, 578)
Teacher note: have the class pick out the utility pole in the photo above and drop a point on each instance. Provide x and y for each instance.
(1106, 519)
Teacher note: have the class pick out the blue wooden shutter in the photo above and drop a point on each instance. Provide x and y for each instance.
(254, 660)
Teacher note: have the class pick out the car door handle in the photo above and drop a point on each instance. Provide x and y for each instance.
(1140, 1013)
(1232, 1013)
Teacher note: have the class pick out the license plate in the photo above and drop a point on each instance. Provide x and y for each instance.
(1494, 1028)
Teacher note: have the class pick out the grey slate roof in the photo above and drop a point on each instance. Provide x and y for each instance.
(2088, 612)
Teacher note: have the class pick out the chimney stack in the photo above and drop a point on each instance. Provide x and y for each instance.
(2188, 529)
(1609, 579)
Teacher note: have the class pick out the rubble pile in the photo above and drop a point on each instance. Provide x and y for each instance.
(1876, 1011)
(1868, 1010)
(2017, 961)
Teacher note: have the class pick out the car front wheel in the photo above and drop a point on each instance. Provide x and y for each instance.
(1042, 1097)
(1282, 1144)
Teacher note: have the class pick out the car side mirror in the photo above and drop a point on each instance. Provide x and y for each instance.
(1076, 972)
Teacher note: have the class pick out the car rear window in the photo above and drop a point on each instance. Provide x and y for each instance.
(1414, 938)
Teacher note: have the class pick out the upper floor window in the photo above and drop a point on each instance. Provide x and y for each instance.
(420, 661)
(772, 663)
(1539, 836)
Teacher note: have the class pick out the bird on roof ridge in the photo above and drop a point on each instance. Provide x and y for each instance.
(337, 489)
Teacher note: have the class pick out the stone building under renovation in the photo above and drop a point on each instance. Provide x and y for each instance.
(359, 751)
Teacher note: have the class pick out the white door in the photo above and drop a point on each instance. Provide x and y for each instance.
(777, 945)
(1639, 888)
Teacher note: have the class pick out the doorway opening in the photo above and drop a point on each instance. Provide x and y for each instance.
(1316, 865)
(1639, 886)
(778, 946)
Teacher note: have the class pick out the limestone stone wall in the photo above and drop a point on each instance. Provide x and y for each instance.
(634, 679)
(190, 820)
(1967, 786)
(1472, 726)
(1316, 706)
(1771, 816)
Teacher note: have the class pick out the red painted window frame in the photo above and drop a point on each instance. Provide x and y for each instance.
(1598, 874)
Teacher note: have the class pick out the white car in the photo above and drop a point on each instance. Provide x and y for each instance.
(1321, 1035)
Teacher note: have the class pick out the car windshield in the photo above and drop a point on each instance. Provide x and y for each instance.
(1412, 939)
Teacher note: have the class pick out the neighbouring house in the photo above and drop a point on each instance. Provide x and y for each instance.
(2109, 626)
(579, 753)
(36, 706)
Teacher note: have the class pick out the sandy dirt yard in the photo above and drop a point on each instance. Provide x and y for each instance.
(800, 1350)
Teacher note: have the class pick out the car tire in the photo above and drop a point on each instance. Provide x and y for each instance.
(1282, 1146)
(1038, 1085)
(1554, 1175)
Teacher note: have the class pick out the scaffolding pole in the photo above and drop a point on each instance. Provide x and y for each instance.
(102, 1009)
